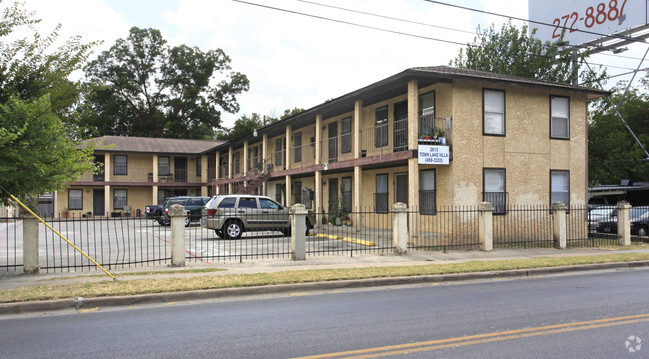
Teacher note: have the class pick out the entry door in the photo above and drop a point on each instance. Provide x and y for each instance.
(401, 188)
(401, 126)
(98, 208)
(180, 169)
(333, 141)
(333, 194)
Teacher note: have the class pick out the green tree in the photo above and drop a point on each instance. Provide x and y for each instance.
(143, 87)
(243, 126)
(613, 154)
(513, 51)
(38, 152)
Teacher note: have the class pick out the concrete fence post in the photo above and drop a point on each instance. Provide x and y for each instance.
(486, 226)
(559, 228)
(400, 227)
(178, 214)
(298, 232)
(624, 223)
(30, 245)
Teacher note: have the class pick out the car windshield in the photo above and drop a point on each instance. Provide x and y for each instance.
(176, 201)
(601, 211)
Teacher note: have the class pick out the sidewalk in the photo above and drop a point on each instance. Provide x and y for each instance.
(312, 263)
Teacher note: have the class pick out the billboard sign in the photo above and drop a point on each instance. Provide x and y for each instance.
(585, 20)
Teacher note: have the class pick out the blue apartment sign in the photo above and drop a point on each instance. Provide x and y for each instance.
(433, 155)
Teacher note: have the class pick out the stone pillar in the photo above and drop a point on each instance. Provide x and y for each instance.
(624, 223)
(486, 226)
(298, 232)
(559, 229)
(30, 244)
(178, 215)
(400, 227)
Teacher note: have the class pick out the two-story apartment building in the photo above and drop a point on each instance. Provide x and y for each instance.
(139, 171)
(428, 137)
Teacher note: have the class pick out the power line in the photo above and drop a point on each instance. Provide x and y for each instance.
(350, 23)
(387, 30)
(534, 21)
(386, 17)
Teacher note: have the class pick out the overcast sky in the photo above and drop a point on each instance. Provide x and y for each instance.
(294, 60)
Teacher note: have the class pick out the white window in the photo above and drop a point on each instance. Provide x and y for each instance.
(560, 187)
(119, 198)
(75, 199)
(493, 112)
(559, 117)
(494, 189)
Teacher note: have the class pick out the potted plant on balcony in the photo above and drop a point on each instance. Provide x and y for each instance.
(426, 135)
(439, 137)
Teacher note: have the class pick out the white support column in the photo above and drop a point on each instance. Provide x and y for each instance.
(624, 223)
(245, 159)
(289, 198)
(318, 197)
(108, 204)
(264, 156)
(559, 229)
(289, 150)
(318, 139)
(400, 227)
(358, 111)
(486, 226)
(298, 232)
(178, 216)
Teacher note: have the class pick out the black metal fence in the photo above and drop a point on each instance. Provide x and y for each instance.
(11, 244)
(449, 228)
(124, 242)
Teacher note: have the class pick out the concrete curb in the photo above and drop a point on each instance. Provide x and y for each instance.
(79, 303)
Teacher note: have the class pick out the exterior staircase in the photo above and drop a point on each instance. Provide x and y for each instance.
(261, 174)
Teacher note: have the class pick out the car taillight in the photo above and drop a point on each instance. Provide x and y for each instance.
(211, 212)
(167, 210)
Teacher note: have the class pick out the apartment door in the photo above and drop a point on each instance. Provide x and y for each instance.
(333, 195)
(401, 126)
(98, 205)
(180, 169)
(401, 188)
(333, 141)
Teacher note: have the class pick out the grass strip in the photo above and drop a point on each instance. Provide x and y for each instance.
(147, 286)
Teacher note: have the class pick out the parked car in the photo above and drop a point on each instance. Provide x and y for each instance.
(193, 206)
(640, 225)
(231, 215)
(600, 214)
(638, 217)
(153, 211)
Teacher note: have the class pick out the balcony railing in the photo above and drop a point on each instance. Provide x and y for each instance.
(143, 175)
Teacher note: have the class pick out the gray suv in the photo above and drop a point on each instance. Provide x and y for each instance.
(231, 215)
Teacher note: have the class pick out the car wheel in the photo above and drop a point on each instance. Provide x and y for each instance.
(219, 233)
(187, 221)
(165, 222)
(642, 231)
(233, 229)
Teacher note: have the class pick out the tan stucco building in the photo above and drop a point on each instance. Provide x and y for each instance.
(429, 137)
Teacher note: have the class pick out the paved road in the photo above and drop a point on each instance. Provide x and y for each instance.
(581, 315)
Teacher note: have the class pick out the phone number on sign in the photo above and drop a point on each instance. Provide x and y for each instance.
(598, 14)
